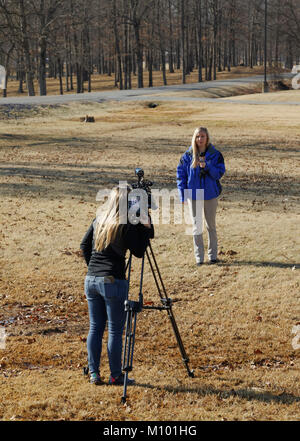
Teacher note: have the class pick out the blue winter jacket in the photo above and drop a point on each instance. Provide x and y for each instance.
(197, 178)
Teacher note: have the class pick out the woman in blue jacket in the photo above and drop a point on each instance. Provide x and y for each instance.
(198, 174)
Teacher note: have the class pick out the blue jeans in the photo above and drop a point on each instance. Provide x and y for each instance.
(105, 304)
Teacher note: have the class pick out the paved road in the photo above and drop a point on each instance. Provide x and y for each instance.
(160, 93)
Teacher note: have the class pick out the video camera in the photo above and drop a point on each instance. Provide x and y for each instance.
(201, 158)
(144, 185)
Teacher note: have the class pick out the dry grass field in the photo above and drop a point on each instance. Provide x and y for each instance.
(235, 319)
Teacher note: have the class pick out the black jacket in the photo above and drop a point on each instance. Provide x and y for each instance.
(111, 260)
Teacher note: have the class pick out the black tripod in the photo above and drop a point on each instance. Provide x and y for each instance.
(132, 308)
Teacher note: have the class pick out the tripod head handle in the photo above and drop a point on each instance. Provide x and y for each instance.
(131, 305)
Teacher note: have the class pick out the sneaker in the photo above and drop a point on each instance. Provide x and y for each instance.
(213, 261)
(118, 381)
(95, 378)
(199, 263)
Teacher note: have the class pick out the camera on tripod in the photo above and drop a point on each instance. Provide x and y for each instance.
(140, 199)
(132, 308)
(143, 184)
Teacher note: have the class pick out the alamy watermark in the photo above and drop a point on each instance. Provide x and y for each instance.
(2, 77)
(165, 206)
(296, 339)
(296, 79)
(2, 337)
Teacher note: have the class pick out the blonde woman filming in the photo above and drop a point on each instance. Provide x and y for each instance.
(200, 168)
(104, 247)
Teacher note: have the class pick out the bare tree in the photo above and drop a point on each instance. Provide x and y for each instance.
(17, 16)
(64, 38)
(183, 32)
(138, 12)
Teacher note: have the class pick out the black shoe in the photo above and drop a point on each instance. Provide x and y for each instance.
(118, 381)
(95, 378)
(199, 263)
(213, 261)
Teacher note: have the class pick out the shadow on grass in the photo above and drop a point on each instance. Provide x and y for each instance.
(76, 142)
(241, 185)
(246, 394)
(259, 264)
(260, 184)
(260, 146)
(85, 179)
(74, 180)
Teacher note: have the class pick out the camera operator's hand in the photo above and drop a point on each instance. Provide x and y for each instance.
(148, 224)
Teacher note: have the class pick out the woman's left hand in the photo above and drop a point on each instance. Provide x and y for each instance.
(148, 224)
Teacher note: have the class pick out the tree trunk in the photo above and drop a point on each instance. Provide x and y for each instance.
(71, 77)
(150, 68)
(117, 43)
(7, 64)
(26, 49)
(161, 43)
(42, 67)
(199, 28)
(60, 73)
(150, 53)
(219, 39)
(183, 41)
(42, 49)
(126, 50)
(139, 53)
(206, 43)
(215, 30)
(171, 50)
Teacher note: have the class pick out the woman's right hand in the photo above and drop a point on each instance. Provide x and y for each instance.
(148, 224)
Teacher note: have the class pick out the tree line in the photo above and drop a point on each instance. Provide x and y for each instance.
(69, 39)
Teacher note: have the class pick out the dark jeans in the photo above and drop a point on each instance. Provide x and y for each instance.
(106, 304)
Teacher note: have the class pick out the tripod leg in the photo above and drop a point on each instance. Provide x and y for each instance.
(184, 356)
(131, 308)
(128, 345)
(168, 304)
(123, 399)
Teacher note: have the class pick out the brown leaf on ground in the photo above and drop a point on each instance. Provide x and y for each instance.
(231, 253)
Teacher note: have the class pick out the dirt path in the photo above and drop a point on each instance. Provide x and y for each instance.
(161, 93)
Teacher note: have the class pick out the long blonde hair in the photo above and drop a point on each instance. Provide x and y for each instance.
(112, 220)
(194, 145)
